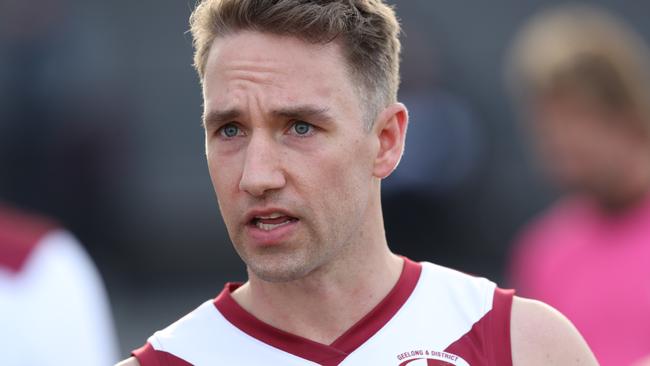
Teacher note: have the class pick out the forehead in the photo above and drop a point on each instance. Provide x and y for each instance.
(276, 69)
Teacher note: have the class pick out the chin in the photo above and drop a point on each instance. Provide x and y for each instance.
(278, 275)
(278, 270)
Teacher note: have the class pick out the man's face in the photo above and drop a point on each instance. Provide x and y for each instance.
(289, 156)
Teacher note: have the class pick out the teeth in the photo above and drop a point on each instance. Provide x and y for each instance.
(269, 227)
(274, 215)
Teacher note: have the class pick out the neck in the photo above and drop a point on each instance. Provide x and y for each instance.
(628, 187)
(327, 302)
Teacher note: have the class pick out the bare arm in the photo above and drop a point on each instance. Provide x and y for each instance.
(643, 362)
(131, 361)
(540, 335)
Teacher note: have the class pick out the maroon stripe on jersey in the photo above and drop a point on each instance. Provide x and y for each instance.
(488, 342)
(317, 352)
(19, 235)
(148, 356)
(365, 328)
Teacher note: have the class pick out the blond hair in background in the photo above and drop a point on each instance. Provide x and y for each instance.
(581, 50)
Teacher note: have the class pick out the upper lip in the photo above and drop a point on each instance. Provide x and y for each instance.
(262, 212)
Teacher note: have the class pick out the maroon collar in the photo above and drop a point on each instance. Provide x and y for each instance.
(319, 353)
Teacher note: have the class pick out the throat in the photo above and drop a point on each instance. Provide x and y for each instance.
(320, 312)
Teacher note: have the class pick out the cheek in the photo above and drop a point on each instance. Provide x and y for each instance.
(224, 168)
(338, 168)
(224, 176)
(597, 146)
(345, 182)
(326, 179)
(216, 175)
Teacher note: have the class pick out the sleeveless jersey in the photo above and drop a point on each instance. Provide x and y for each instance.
(434, 316)
(53, 304)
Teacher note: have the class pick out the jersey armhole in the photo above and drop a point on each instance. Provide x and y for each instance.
(149, 356)
(500, 345)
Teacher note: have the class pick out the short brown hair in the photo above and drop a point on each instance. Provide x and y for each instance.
(585, 50)
(367, 30)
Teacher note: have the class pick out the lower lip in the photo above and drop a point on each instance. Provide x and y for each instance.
(272, 237)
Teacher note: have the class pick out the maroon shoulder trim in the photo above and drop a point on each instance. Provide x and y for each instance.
(19, 235)
(500, 327)
(148, 356)
(316, 352)
(488, 342)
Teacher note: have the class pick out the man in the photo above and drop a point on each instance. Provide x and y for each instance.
(54, 305)
(302, 124)
(583, 75)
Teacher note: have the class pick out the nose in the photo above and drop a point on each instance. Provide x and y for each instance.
(262, 167)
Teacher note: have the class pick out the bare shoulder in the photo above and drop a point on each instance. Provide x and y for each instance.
(540, 335)
(131, 361)
(643, 362)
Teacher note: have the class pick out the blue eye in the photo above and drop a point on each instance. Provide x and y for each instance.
(229, 130)
(302, 128)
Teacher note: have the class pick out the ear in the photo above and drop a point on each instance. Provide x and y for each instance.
(390, 128)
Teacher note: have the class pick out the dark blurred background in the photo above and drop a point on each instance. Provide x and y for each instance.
(100, 128)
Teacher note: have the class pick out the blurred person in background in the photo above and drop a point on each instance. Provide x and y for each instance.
(301, 125)
(582, 79)
(53, 306)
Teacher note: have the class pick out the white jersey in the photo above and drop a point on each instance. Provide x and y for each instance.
(433, 316)
(53, 307)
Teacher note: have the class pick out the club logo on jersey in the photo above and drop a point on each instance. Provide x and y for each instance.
(422, 357)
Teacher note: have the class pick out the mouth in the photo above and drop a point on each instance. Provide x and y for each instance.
(271, 221)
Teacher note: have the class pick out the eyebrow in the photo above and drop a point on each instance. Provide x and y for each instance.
(306, 112)
(218, 118)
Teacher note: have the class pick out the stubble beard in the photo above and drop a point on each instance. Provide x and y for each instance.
(283, 263)
(293, 260)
